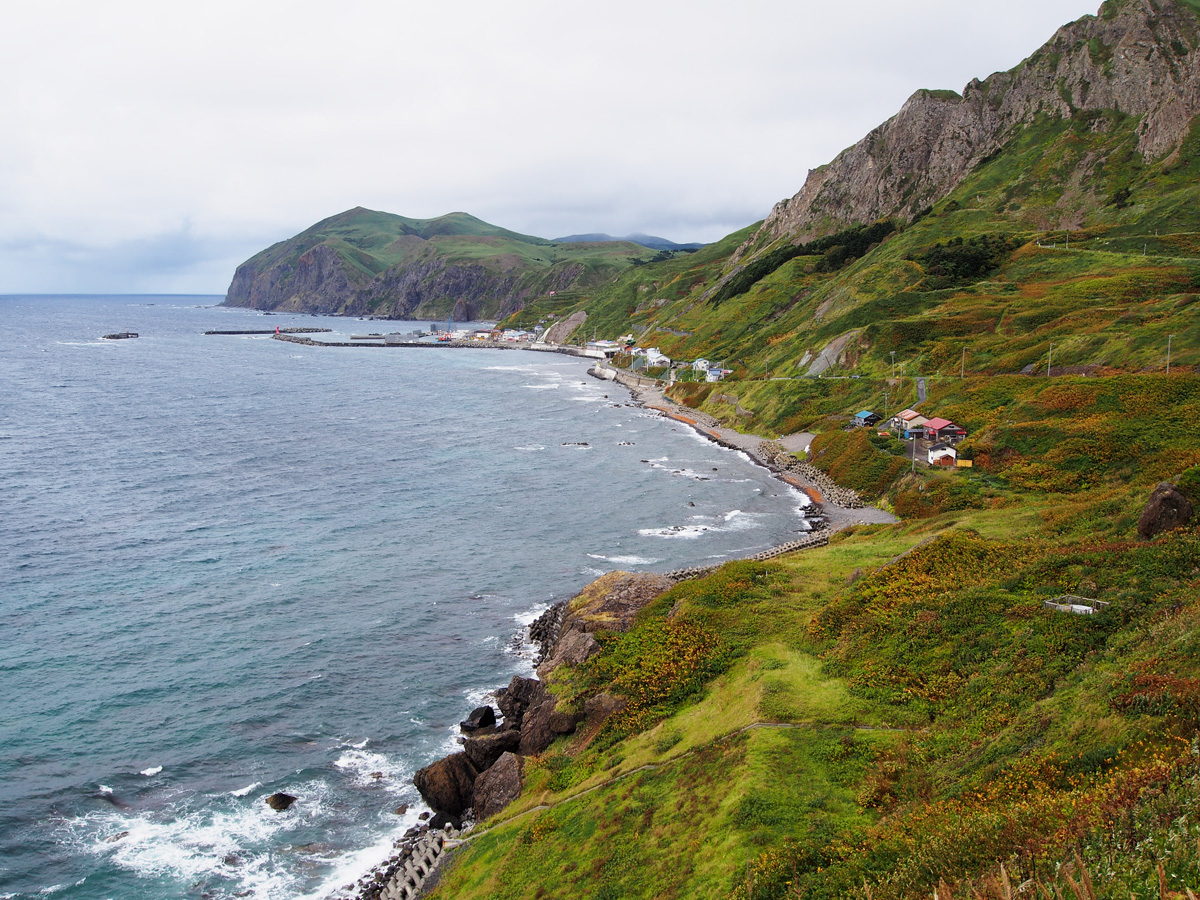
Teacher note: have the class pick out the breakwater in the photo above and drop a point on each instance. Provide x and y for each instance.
(830, 491)
(273, 331)
(294, 337)
(415, 858)
(818, 538)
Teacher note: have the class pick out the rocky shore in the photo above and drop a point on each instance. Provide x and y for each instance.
(480, 780)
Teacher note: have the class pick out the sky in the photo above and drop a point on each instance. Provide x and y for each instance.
(151, 147)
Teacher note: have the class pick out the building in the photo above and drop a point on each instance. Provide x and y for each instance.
(943, 455)
(866, 418)
(715, 374)
(943, 430)
(701, 365)
(907, 422)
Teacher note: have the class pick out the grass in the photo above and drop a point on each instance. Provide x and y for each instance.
(937, 721)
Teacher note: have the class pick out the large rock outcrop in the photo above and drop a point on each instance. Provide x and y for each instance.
(1137, 57)
(448, 785)
(499, 786)
(1166, 510)
(609, 603)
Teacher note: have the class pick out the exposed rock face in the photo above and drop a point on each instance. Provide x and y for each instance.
(520, 695)
(560, 331)
(600, 707)
(609, 603)
(543, 723)
(1138, 57)
(483, 717)
(498, 786)
(448, 784)
(485, 750)
(362, 261)
(1167, 510)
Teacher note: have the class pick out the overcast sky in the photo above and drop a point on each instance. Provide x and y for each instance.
(151, 146)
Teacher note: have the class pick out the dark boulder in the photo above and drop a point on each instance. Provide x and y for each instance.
(484, 750)
(441, 820)
(484, 717)
(498, 786)
(447, 784)
(520, 695)
(1167, 510)
(280, 801)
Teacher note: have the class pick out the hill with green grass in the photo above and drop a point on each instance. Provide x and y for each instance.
(363, 262)
(906, 713)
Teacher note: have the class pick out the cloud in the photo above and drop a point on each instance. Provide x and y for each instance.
(175, 141)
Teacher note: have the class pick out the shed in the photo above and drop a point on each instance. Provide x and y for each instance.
(942, 455)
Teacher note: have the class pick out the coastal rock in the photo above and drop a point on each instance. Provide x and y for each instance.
(597, 709)
(280, 801)
(519, 696)
(447, 784)
(543, 723)
(498, 786)
(441, 820)
(609, 603)
(483, 717)
(1167, 510)
(483, 751)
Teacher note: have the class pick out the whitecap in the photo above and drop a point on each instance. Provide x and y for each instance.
(626, 560)
(684, 532)
(368, 768)
(153, 770)
(532, 448)
(242, 792)
(105, 789)
(541, 387)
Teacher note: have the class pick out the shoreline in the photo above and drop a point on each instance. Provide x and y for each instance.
(400, 877)
(835, 515)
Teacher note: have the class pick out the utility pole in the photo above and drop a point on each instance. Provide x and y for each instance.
(893, 365)
(1169, 336)
(1048, 356)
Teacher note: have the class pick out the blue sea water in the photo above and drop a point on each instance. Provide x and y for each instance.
(232, 565)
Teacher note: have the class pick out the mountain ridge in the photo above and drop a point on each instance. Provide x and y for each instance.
(1137, 57)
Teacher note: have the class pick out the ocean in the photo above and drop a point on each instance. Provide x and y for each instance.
(232, 565)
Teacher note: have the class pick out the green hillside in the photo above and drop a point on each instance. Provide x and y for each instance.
(900, 714)
(367, 262)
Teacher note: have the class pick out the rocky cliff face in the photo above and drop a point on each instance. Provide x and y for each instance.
(1137, 57)
(363, 261)
(320, 281)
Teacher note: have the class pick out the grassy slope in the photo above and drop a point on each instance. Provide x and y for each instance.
(1027, 736)
(988, 729)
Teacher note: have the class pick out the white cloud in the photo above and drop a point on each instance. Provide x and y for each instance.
(152, 146)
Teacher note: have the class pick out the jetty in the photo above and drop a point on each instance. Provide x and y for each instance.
(273, 331)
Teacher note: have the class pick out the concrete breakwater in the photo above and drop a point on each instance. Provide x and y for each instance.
(376, 343)
(273, 331)
(830, 490)
(819, 538)
(408, 869)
